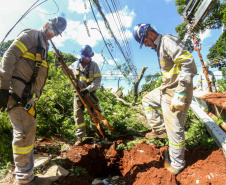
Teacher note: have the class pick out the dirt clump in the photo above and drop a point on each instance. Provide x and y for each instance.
(143, 164)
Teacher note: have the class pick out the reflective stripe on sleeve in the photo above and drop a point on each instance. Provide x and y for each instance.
(82, 78)
(22, 150)
(21, 46)
(92, 123)
(29, 56)
(177, 145)
(182, 58)
(150, 108)
(32, 57)
(97, 75)
(44, 63)
(89, 79)
(173, 71)
(80, 125)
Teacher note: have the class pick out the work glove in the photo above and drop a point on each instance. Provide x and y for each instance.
(84, 91)
(177, 103)
(4, 96)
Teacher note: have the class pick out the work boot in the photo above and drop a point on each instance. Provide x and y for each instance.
(167, 164)
(153, 134)
(38, 181)
(78, 142)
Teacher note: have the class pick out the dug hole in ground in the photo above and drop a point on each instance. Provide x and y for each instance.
(143, 164)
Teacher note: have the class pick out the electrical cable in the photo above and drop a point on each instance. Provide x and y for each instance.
(52, 13)
(24, 15)
(108, 26)
(103, 37)
(127, 55)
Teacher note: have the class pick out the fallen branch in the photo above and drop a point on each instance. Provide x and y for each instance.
(135, 106)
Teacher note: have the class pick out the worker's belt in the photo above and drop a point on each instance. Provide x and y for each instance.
(20, 102)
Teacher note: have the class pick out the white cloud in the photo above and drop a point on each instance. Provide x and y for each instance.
(98, 58)
(167, 1)
(111, 62)
(78, 6)
(77, 32)
(205, 35)
(11, 13)
(127, 18)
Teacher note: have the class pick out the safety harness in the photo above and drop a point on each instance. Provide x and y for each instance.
(86, 72)
(89, 76)
(27, 94)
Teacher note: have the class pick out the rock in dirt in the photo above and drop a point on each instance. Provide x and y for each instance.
(40, 160)
(97, 182)
(53, 172)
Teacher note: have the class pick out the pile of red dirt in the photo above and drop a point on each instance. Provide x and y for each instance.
(218, 99)
(141, 165)
(144, 165)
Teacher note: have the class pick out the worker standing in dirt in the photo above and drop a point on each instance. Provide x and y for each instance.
(23, 72)
(173, 96)
(202, 82)
(88, 75)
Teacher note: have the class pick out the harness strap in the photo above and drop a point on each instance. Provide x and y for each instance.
(20, 79)
(27, 106)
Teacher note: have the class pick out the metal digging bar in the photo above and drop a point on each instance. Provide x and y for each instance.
(74, 81)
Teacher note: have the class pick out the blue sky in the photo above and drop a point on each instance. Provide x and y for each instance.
(161, 14)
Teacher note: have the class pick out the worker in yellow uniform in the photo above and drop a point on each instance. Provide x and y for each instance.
(88, 75)
(23, 72)
(173, 96)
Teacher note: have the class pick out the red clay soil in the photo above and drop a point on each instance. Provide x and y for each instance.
(144, 165)
(141, 165)
(218, 99)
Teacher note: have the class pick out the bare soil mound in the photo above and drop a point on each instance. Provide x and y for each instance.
(141, 165)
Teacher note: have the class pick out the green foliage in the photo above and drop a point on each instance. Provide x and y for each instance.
(219, 48)
(182, 31)
(4, 168)
(222, 82)
(55, 107)
(77, 171)
(68, 58)
(120, 116)
(196, 133)
(6, 137)
(214, 20)
(126, 70)
(217, 120)
(5, 46)
(152, 82)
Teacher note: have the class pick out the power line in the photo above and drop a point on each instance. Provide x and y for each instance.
(107, 24)
(32, 7)
(102, 34)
